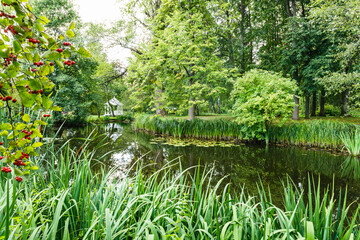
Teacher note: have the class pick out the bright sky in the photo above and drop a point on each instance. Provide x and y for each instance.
(98, 11)
(103, 11)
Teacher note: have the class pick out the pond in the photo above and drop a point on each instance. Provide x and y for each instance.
(240, 165)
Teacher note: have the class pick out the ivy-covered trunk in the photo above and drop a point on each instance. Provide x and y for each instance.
(314, 104)
(322, 103)
(307, 106)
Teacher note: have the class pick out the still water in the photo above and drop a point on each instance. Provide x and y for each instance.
(241, 165)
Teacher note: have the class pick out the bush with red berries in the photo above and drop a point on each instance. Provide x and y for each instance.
(28, 55)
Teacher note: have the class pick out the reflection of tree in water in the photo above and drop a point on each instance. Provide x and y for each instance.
(242, 164)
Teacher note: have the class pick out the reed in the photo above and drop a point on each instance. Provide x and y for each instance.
(351, 141)
(316, 133)
(67, 200)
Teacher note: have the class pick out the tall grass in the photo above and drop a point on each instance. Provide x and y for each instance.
(316, 133)
(67, 200)
(205, 129)
(351, 141)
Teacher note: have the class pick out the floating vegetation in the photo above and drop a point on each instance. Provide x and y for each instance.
(193, 142)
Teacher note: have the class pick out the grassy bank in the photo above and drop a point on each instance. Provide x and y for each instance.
(315, 133)
(66, 200)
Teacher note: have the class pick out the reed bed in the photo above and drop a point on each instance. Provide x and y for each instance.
(317, 133)
(66, 200)
(205, 129)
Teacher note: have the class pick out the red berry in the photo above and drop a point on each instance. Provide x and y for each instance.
(6, 169)
(1, 143)
(19, 179)
(41, 63)
(59, 50)
(41, 91)
(51, 64)
(14, 100)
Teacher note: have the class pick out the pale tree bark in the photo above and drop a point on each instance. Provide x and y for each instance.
(344, 100)
(158, 103)
(296, 108)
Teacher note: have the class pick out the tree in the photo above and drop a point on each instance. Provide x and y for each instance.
(339, 20)
(181, 60)
(260, 97)
(306, 56)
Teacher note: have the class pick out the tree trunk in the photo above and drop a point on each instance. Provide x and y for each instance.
(296, 108)
(212, 104)
(322, 103)
(314, 104)
(99, 113)
(344, 100)
(307, 106)
(192, 112)
(158, 104)
(242, 31)
(219, 104)
(294, 11)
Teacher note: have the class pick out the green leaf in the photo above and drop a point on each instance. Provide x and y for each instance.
(39, 27)
(83, 52)
(37, 144)
(17, 46)
(46, 102)
(20, 126)
(70, 33)
(5, 126)
(72, 26)
(56, 108)
(33, 168)
(44, 19)
(18, 172)
(60, 64)
(52, 55)
(4, 133)
(26, 118)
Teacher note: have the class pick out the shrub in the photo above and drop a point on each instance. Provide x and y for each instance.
(260, 97)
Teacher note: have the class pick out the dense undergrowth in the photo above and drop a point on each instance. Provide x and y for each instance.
(67, 200)
(316, 133)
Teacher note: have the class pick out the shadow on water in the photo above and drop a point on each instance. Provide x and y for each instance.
(241, 164)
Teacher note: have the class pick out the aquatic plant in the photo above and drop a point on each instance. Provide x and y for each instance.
(351, 141)
(67, 200)
(316, 133)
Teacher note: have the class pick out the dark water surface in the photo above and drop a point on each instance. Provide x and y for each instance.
(242, 165)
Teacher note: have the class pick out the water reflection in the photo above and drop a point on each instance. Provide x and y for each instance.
(245, 164)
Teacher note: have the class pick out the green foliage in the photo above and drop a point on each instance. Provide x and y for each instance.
(337, 83)
(206, 129)
(76, 203)
(180, 68)
(261, 97)
(316, 133)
